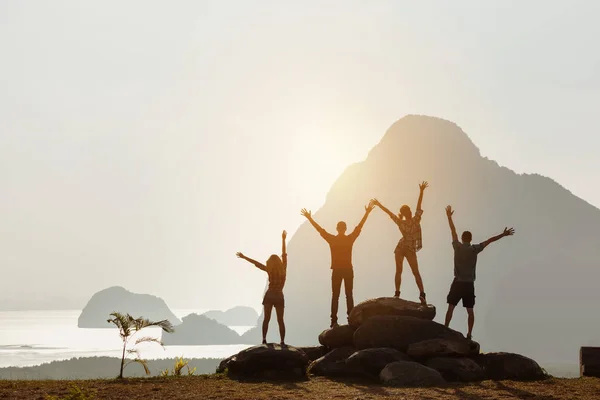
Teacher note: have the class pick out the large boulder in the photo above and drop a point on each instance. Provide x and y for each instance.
(117, 299)
(389, 306)
(314, 352)
(443, 348)
(333, 364)
(339, 336)
(200, 330)
(236, 316)
(372, 361)
(510, 366)
(400, 332)
(457, 369)
(270, 361)
(410, 374)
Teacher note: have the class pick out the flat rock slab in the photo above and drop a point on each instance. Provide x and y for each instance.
(510, 366)
(410, 374)
(389, 306)
(400, 332)
(372, 361)
(443, 348)
(271, 361)
(457, 369)
(339, 336)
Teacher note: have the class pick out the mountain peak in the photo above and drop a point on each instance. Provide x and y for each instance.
(414, 135)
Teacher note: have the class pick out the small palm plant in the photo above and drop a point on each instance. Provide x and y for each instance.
(128, 327)
(178, 367)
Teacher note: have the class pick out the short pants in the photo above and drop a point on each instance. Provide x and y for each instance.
(274, 298)
(462, 290)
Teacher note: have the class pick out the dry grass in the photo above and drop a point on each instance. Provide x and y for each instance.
(219, 387)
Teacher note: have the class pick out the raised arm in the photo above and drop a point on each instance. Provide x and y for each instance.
(424, 185)
(388, 212)
(310, 219)
(506, 232)
(449, 212)
(368, 209)
(256, 263)
(283, 250)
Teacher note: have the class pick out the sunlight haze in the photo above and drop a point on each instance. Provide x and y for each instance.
(144, 144)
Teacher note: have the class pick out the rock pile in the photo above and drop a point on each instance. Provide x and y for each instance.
(387, 340)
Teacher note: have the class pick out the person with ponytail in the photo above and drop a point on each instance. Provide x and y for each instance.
(410, 243)
(276, 268)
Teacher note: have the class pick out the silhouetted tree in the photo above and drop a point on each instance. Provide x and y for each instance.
(128, 327)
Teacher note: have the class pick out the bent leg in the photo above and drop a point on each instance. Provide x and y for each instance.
(336, 286)
(399, 257)
(265, 325)
(279, 308)
(411, 257)
(348, 287)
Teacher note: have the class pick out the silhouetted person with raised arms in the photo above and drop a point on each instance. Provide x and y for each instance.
(276, 268)
(410, 243)
(465, 261)
(341, 260)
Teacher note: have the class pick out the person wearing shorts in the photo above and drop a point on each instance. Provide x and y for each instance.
(276, 268)
(465, 263)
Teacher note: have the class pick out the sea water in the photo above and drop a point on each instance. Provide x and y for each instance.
(30, 338)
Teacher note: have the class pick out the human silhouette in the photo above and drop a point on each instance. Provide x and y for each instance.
(342, 269)
(410, 243)
(276, 268)
(465, 262)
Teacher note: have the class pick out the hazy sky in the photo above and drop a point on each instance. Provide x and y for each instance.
(143, 143)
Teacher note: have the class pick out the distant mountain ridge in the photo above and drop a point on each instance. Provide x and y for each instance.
(536, 291)
(117, 298)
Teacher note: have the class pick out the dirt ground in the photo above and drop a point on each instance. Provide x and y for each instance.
(220, 387)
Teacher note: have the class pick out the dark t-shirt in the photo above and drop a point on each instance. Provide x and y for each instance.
(465, 260)
(341, 248)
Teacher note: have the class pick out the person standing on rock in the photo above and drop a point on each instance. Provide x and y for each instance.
(340, 246)
(276, 268)
(465, 261)
(410, 243)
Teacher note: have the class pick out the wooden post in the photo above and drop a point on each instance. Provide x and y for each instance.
(589, 361)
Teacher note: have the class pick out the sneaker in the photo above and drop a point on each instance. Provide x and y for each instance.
(397, 294)
(264, 341)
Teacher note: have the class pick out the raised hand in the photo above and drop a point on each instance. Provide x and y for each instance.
(240, 255)
(508, 231)
(449, 211)
(370, 206)
(306, 213)
(375, 202)
(284, 235)
(424, 185)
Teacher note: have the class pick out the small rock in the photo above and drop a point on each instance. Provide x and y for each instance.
(410, 374)
(339, 336)
(443, 348)
(333, 364)
(460, 369)
(509, 366)
(314, 352)
(372, 361)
